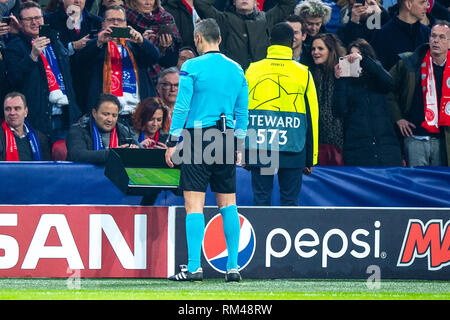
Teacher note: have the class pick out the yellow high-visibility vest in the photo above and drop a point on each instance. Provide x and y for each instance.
(280, 84)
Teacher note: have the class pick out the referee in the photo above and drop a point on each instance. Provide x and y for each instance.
(212, 95)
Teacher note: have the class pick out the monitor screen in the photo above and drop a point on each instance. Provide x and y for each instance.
(153, 177)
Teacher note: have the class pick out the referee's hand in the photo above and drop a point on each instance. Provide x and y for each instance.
(169, 153)
(239, 161)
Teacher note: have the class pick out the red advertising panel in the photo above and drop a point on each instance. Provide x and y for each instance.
(86, 241)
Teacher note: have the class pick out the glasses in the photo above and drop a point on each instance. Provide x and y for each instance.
(438, 36)
(167, 85)
(29, 19)
(113, 20)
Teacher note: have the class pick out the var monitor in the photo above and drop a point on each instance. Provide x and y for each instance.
(138, 171)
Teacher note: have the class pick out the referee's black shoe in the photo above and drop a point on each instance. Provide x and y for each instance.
(185, 275)
(232, 275)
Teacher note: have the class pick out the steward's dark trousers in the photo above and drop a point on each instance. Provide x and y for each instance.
(289, 181)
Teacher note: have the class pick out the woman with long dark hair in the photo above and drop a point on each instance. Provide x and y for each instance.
(326, 49)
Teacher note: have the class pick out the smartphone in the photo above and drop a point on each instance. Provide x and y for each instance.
(165, 29)
(362, 2)
(6, 20)
(44, 30)
(349, 69)
(120, 32)
(93, 34)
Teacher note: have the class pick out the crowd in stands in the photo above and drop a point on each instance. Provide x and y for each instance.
(72, 88)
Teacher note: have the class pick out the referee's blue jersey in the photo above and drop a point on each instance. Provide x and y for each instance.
(210, 85)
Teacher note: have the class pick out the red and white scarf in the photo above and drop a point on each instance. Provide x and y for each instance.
(436, 114)
(12, 154)
(11, 147)
(56, 87)
(113, 81)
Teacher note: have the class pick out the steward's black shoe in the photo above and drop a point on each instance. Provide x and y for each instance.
(232, 275)
(185, 275)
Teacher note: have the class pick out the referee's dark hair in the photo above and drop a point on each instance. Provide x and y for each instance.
(209, 29)
(282, 34)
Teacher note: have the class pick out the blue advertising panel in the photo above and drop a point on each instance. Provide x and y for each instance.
(328, 243)
(81, 183)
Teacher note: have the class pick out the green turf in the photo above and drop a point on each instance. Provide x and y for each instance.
(153, 176)
(217, 289)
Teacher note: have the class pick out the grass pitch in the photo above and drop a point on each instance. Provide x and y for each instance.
(217, 289)
(153, 176)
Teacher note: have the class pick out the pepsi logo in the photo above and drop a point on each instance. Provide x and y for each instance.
(215, 248)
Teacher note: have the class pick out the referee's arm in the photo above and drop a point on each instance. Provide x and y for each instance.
(182, 104)
(241, 111)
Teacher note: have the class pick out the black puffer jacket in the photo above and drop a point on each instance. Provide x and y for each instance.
(369, 136)
(245, 39)
(80, 145)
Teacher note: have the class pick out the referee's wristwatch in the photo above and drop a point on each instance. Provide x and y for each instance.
(171, 141)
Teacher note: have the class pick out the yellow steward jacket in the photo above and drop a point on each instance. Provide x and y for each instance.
(282, 96)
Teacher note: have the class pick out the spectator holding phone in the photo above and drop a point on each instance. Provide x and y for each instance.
(118, 59)
(75, 26)
(5, 7)
(51, 99)
(4, 29)
(369, 136)
(158, 26)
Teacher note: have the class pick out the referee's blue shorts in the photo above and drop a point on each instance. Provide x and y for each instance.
(209, 164)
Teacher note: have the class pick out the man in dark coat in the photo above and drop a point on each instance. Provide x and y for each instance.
(74, 25)
(136, 55)
(91, 139)
(419, 101)
(244, 30)
(18, 140)
(185, 19)
(402, 33)
(39, 67)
